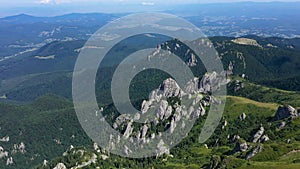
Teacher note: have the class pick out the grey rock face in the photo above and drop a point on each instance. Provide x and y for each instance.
(159, 110)
(258, 134)
(211, 82)
(207, 82)
(145, 106)
(285, 112)
(192, 86)
(155, 96)
(170, 88)
(164, 110)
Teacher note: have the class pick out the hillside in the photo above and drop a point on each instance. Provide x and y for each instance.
(55, 116)
(274, 67)
(220, 150)
(46, 125)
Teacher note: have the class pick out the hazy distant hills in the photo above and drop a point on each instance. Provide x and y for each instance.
(22, 32)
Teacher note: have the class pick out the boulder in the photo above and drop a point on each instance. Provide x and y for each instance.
(9, 161)
(264, 139)
(243, 116)
(282, 125)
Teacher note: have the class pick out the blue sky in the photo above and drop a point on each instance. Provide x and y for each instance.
(19, 3)
(59, 7)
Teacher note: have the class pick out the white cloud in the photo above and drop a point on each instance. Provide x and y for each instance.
(53, 2)
(47, 2)
(148, 3)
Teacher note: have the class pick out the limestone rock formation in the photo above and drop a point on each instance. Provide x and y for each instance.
(192, 60)
(286, 112)
(256, 150)
(264, 139)
(60, 166)
(170, 88)
(241, 146)
(162, 149)
(258, 134)
(128, 130)
(192, 86)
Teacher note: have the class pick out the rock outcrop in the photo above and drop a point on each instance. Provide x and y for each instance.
(282, 125)
(258, 134)
(286, 111)
(241, 146)
(60, 166)
(128, 130)
(5, 139)
(264, 139)
(162, 149)
(170, 88)
(164, 106)
(164, 111)
(192, 60)
(3, 153)
(256, 150)
(9, 161)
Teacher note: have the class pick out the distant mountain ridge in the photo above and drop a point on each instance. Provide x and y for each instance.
(262, 64)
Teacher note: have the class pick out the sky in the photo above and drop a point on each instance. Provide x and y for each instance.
(59, 7)
(145, 2)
